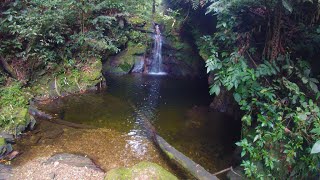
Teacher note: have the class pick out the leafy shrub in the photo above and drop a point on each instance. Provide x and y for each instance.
(278, 96)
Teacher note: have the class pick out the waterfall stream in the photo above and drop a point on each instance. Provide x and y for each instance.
(156, 65)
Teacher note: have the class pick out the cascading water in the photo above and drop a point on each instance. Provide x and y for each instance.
(156, 65)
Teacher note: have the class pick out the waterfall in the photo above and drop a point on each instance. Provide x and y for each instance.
(156, 65)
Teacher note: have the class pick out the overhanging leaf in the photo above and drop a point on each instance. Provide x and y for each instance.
(237, 97)
(316, 131)
(316, 148)
(314, 87)
(287, 5)
(302, 116)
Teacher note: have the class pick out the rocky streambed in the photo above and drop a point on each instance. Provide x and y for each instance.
(71, 166)
(55, 151)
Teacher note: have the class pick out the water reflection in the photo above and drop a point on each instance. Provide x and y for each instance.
(178, 109)
(147, 107)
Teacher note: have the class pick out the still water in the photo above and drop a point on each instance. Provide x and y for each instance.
(178, 108)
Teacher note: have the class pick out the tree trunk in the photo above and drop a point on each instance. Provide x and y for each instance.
(183, 161)
(154, 7)
(7, 68)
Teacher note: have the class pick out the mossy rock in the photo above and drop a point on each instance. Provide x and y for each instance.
(73, 81)
(125, 60)
(2, 141)
(14, 120)
(141, 171)
(14, 109)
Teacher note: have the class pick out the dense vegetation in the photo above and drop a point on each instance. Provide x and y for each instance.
(38, 34)
(58, 40)
(263, 52)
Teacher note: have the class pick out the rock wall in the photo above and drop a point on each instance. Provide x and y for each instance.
(180, 59)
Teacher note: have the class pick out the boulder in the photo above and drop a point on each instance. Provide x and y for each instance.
(60, 166)
(8, 137)
(5, 148)
(141, 171)
(72, 160)
(5, 172)
(124, 62)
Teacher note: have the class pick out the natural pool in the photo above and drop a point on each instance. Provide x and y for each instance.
(178, 108)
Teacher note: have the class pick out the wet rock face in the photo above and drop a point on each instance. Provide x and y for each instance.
(177, 56)
(141, 171)
(132, 58)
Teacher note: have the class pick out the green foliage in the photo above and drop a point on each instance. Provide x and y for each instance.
(51, 31)
(281, 116)
(280, 113)
(12, 96)
(13, 103)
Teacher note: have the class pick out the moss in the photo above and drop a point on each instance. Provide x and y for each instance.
(126, 67)
(143, 170)
(2, 142)
(127, 58)
(72, 81)
(136, 21)
(13, 107)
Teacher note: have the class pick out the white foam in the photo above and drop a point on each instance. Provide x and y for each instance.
(158, 73)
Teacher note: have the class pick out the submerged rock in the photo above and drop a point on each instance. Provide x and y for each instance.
(141, 171)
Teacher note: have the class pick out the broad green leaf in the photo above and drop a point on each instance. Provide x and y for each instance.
(286, 4)
(304, 80)
(10, 18)
(243, 153)
(256, 137)
(302, 116)
(316, 148)
(316, 131)
(314, 80)
(237, 97)
(215, 89)
(314, 87)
